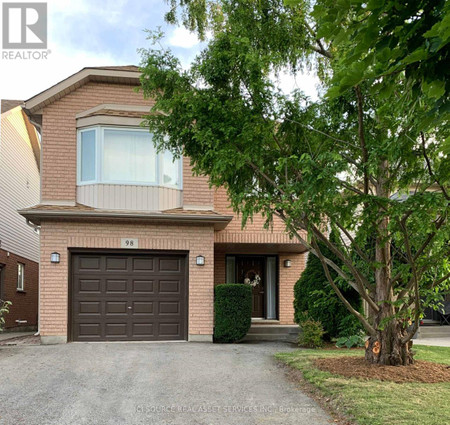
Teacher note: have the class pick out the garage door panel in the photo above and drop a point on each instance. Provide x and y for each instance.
(143, 264)
(89, 329)
(116, 329)
(88, 285)
(169, 329)
(169, 308)
(116, 264)
(169, 265)
(89, 263)
(140, 286)
(128, 297)
(116, 307)
(143, 307)
(89, 308)
(143, 330)
(116, 285)
(172, 287)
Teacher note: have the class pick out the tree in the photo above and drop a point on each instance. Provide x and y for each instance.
(313, 294)
(368, 158)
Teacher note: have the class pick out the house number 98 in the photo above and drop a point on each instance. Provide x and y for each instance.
(129, 243)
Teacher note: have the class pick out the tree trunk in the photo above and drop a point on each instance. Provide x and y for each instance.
(387, 349)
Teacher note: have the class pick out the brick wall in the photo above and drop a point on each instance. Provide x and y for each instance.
(253, 232)
(196, 191)
(24, 304)
(59, 236)
(287, 278)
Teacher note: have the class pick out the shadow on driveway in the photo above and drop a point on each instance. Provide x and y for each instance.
(151, 383)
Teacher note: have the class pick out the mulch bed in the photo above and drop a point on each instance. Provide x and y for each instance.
(358, 367)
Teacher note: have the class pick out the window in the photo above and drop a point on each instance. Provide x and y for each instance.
(171, 170)
(88, 155)
(128, 156)
(20, 276)
(124, 156)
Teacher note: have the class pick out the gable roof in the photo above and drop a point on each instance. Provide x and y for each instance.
(128, 74)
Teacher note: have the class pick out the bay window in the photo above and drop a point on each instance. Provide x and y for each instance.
(124, 156)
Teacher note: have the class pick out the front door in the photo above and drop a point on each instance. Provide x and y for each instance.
(250, 270)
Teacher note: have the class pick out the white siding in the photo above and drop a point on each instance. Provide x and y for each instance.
(128, 197)
(19, 186)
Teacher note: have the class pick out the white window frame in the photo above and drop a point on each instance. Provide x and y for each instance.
(20, 277)
(79, 132)
(99, 145)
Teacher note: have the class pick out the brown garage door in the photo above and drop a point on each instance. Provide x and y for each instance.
(119, 297)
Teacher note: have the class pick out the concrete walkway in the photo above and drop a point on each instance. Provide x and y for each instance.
(437, 342)
(10, 335)
(151, 383)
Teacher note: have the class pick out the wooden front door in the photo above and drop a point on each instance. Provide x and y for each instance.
(250, 268)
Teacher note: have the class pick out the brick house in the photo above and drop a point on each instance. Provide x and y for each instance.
(132, 243)
(19, 242)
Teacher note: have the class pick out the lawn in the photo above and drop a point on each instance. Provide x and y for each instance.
(376, 402)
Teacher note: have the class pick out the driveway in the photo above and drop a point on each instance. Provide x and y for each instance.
(160, 383)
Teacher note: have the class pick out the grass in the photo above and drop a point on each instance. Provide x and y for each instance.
(378, 402)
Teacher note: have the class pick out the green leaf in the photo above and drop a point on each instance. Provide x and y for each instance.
(417, 55)
(435, 89)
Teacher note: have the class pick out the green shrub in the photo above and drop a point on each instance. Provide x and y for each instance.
(314, 294)
(312, 334)
(4, 309)
(232, 311)
(351, 341)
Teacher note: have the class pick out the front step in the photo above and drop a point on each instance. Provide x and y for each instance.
(261, 332)
(434, 332)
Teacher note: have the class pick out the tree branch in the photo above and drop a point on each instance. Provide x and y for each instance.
(412, 264)
(362, 138)
(356, 313)
(319, 48)
(430, 170)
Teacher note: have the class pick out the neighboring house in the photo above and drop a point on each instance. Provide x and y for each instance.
(132, 243)
(19, 242)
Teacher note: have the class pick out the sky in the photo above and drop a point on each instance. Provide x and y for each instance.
(103, 32)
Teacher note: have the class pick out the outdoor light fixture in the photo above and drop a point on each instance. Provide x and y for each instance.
(200, 260)
(287, 263)
(54, 258)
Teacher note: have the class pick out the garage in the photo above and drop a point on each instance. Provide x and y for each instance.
(123, 297)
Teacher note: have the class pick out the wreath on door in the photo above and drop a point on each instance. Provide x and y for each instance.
(252, 278)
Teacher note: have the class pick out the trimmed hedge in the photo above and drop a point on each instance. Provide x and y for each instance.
(232, 311)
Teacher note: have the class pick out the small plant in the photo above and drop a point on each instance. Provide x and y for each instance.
(312, 334)
(350, 341)
(4, 309)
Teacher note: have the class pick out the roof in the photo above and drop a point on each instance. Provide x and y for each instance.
(8, 104)
(37, 213)
(118, 68)
(118, 113)
(128, 74)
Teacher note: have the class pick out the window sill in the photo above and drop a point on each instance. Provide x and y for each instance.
(21, 291)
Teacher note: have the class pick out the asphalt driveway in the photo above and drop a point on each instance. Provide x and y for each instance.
(137, 383)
